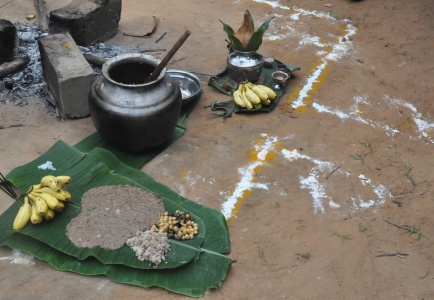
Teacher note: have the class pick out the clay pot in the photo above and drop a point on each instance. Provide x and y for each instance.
(127, 112)
(245, 66)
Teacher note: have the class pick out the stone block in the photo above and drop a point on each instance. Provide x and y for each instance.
(87, 21)
(69, 76)
(8, 41)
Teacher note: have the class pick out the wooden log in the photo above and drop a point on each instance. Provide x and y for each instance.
(95, 60)
(14, 66)
(42, 13)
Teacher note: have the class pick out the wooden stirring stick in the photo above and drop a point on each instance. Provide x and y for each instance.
(154, 75)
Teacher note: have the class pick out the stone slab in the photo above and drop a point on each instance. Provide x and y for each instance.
(87, 21)
(69, 76)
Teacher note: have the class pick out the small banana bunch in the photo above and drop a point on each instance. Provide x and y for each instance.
(249, 95)
(43, 200)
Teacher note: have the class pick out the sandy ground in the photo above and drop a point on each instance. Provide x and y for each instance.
(305, 188)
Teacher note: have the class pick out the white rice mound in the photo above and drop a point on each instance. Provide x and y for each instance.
(150, 246)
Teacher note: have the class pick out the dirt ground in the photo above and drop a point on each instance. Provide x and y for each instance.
(308, 188)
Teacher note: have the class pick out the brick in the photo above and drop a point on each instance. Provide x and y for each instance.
(68, 74)
(87, 21)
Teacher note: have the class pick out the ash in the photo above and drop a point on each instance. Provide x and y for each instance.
(30, 82)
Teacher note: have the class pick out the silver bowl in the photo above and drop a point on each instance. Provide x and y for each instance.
(189, 84)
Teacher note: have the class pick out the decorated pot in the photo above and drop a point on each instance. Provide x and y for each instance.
(129, 113)
(245, 66)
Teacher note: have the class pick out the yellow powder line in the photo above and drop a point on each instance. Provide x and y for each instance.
(260, 154)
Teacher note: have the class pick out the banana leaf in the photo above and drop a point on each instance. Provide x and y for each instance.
(135, 160)
(208, 268)
(90, 173)
(207, 271)
(216, 238)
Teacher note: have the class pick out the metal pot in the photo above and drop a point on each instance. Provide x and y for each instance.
(244, 66)
(129, 113)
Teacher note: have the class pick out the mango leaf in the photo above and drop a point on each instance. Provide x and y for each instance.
(256, 39)
(236, 44)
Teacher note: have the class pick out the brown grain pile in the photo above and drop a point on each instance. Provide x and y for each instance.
(112, 214)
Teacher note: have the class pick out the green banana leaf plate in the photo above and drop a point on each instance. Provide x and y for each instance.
(49, 242)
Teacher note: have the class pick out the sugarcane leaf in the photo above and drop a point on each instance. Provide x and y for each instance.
(256, 40)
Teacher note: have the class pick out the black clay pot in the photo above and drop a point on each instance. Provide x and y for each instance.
(127, 112)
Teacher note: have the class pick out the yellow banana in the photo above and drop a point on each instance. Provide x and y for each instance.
(238, 98)
(259, 92)
(60, 206)
(266, 101)
(271, 94)
(41, 206)
(51, 182)
(66, 194)
(34, 187)
(34, 217)
(249, 104)
(49, 214)
(252, 97)
(257, 106)
(58, 195)
(64, 180)
(52, 202)
(23, 215)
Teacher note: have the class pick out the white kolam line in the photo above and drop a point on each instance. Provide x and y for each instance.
(317, 188)
(247, 175)
(311, 182)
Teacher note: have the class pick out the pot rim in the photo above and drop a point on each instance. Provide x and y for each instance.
(139, 57)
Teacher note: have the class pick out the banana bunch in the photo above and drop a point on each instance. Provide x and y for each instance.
(249, 95)
(43, 200)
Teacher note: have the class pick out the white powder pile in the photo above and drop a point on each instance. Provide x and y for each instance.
(150, 245)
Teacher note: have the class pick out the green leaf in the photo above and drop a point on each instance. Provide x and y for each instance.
(256, 39)
(216, 238)
(228, 29)
(91, 173)
(236, 44)
(205, 272)
(206, 269)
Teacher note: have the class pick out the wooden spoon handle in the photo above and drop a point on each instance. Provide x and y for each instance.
(154, 75)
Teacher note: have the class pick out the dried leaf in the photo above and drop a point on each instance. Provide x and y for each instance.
(245, 32)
